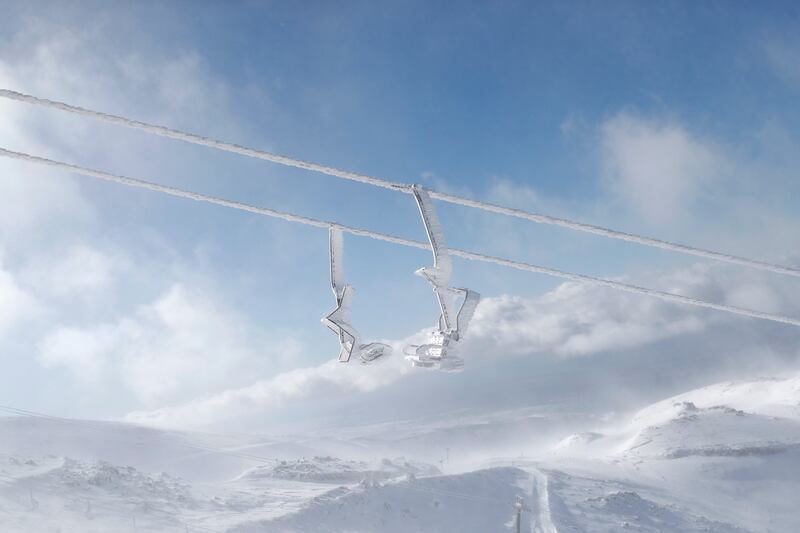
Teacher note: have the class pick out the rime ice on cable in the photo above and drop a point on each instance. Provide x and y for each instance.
(528, 267)
(338, 320)
(454, 320)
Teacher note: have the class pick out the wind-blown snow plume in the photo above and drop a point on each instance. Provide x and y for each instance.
(572, 320)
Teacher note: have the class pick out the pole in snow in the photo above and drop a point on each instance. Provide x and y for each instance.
(519, 507)
(34, 501)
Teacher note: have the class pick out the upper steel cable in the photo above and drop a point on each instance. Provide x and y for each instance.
(401, 187)
(474, 256)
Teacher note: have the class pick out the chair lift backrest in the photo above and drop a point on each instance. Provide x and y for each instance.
(471, 300)
(336, 242)
(338, 320)
(439, 275)
(442, 261)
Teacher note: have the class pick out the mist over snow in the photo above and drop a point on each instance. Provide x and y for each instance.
(619, 340)
(162, 362)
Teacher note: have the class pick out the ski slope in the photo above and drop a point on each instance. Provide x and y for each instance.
(722, 458)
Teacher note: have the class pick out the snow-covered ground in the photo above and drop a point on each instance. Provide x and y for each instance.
(722, 458)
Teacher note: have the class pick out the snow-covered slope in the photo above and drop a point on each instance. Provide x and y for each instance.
(722, 458)
(477, 501)
(184, 454)
(338, 471)
(731, 418)
(683, 429)
(765, 396)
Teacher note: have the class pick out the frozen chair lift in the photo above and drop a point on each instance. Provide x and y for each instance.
(439, 350)
(338, 320)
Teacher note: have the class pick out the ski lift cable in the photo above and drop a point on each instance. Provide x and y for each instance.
(473, 256)
(400, 187)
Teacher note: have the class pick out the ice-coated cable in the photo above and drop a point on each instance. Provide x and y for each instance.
(401, 187)
(473, 256)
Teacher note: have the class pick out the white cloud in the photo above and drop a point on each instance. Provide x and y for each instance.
(783, 56)
(83, 352)
(571, 320)
(182, 344)
(16, 305)
(31, 199)
(329, 379)
(506, 192)
(657, 169)
(755, 296)
(60, 240)
(577, 319)
(78, 66)
(76, 270)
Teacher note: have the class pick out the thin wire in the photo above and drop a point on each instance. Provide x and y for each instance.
(473, 256)
(203, 141)
(400, 187)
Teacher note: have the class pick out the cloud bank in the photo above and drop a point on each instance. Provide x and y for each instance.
(572, 320)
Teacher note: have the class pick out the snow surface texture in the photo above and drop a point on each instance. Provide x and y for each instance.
(723, 458)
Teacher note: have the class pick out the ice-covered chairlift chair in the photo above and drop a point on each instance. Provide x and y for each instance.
(454, 320)
(338, 320)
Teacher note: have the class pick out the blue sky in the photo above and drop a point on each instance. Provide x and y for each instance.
(677, 120)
